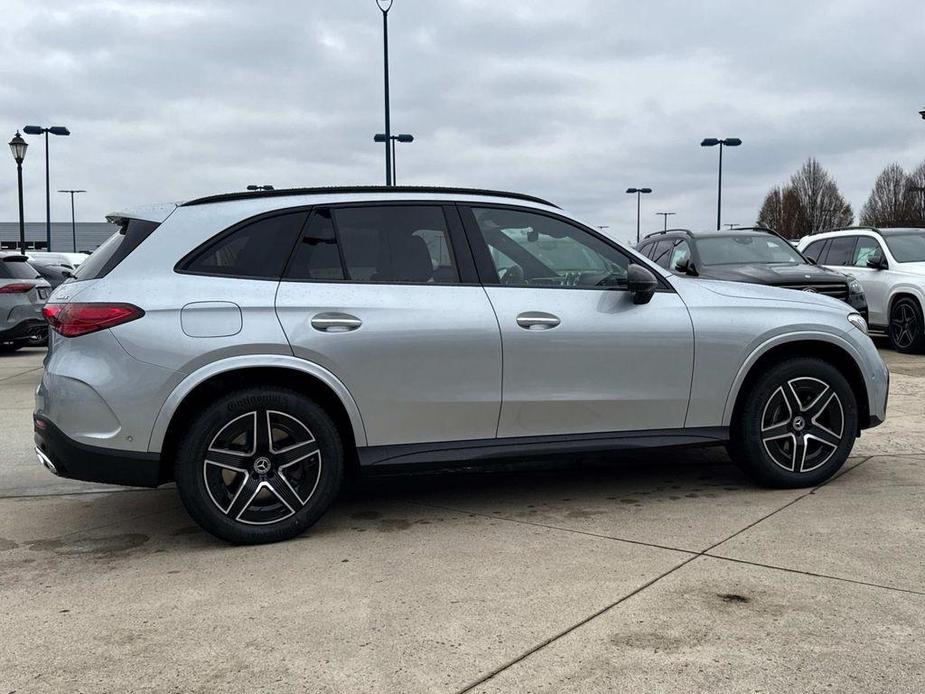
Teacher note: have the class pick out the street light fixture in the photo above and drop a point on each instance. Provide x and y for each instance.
(384, 6)
(54, 130)
(18, 147)
(639, 192)
(712, 142)
(253, 187)
(404, 137)
(73, 221)
(665, 216)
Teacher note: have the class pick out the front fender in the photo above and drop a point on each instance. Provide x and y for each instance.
(776, 341)
(188, 384)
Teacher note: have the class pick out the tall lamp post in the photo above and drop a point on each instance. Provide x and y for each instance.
(639, 192)
(73, 219)
(404, 137)
(712, 142)
(54, 130)
(385, 6)
(665, 216)
(18, 147)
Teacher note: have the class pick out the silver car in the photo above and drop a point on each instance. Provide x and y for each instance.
(254, 347)
(22, 294)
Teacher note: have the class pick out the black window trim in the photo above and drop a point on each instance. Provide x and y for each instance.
(488, 274)
(828, 249)
(461, 251)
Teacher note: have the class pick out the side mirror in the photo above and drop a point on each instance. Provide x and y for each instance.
(687, 267)
(877, 262)
(641, 283)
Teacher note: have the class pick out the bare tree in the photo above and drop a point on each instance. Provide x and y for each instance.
(917, 189)
(891, 203)
(810, 203)
(823, 205)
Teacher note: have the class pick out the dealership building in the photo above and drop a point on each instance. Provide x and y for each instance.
(89, 235)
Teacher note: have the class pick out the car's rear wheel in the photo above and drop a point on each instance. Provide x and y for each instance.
(907, 329)
(259, 465)
(797, 424)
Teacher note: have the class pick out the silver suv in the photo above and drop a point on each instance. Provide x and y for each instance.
(22, 294)
(254, 347)
(890, 265)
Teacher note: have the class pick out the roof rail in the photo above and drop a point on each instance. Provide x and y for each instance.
(668, 231)
(861, 227)
(328, 190)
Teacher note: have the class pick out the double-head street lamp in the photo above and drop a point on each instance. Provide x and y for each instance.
(665, 216)
(382, 137)
(639, 192)
(265, 187)
(18, 147)
(384, 7)
(40, 130)
(712, 142)
(73, 221)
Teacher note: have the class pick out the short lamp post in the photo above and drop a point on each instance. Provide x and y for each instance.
(639, 193)
(713, 142)
(72, 193)
(665, 216)
(18, 147)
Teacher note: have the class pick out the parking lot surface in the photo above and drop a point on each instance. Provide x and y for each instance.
(653, 572)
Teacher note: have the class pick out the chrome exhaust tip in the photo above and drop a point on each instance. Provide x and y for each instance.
(45, 461)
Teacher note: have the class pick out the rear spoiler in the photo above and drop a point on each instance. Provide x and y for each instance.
(156, 213)
(14, 259)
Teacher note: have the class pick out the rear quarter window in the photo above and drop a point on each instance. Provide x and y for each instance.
(17, 270)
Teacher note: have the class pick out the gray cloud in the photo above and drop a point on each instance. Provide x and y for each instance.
(574, 101)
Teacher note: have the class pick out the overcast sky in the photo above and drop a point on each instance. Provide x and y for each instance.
(573, 100)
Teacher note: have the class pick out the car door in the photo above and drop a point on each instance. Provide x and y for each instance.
(875, 280)
(385, 297)
(579, 355)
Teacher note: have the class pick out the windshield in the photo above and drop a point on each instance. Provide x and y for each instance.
(742, 249)
(907, 248)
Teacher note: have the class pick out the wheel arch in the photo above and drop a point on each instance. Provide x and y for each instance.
(904, 292)
(242, 372)
(825, 347)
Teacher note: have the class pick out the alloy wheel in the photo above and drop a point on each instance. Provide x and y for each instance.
(802, 424)
(904, 325)
(262, 467)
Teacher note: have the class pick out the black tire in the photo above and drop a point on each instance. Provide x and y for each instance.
(907, 328)
(7, 347)
(247, 491)
(800, 413)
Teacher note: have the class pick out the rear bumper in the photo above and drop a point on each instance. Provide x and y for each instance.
(24, 329)
(78, 461)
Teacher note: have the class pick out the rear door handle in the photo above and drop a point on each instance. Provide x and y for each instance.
(335, 322)
(537, 320)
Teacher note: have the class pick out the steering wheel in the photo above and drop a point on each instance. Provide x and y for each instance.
(512, 275)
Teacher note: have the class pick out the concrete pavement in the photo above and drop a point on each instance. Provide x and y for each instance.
(663, 572)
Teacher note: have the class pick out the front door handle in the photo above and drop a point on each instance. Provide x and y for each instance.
(537, 320)
(335, 322)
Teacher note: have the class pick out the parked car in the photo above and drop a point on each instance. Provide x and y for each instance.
(54, 273)
(22, 294)
(255, 346)
(748, 254)
(890, 265)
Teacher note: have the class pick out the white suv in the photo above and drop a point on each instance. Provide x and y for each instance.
(890, 264)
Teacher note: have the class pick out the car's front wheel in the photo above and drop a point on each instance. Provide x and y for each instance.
(907, 329)
(797, 424)
(259, 465)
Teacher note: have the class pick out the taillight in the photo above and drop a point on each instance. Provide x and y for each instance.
(16, 288)
(73, 320)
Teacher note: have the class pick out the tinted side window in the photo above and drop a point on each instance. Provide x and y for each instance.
(866, 249)
(646, 249)
(258, 250)
(662, 252)
(396, 243)
(814, 250)
(680, 256)
(531, 249)
(316, 256)
(841, 251)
